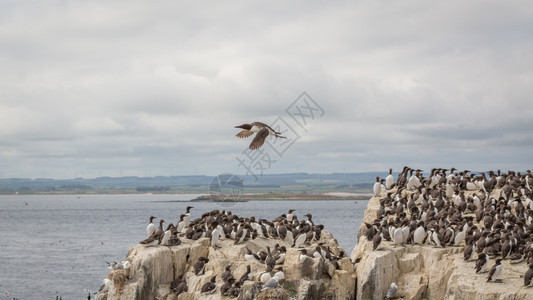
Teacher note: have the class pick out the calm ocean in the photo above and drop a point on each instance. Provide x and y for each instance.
(58, 245)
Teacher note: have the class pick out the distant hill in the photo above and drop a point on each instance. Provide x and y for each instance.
(197, 183)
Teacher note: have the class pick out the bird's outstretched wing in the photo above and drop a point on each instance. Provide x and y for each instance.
(244, 134)
(259, 139)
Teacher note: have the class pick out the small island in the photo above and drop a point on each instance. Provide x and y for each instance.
(284, 197)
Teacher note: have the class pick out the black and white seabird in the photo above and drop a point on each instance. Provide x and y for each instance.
(174, 239)
(234, 291)
(209, 287)
(262, 130)
(215, 235)
(300, 239)
(376, 240)
(187, 217)
(250, 256)
(377, 187)
(179, 285)
(226, 286)
(247, 275)
(151, 227)
(495, 271)
(389, 180)
(481, 263)
(226, 275)
(290, 215)
(397, 236)
(420, 234)
(469, 250)
(166, 235)
(155, 238)
(528, 276)
(270, 261)
(199, 265)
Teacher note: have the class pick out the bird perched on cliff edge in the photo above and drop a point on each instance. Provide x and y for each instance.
(151, 227)
(262, 130)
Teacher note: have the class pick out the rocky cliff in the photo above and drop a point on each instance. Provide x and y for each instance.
(426, 272)
(154, 268)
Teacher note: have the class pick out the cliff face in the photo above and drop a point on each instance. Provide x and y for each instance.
(425, 272)
(153, 269)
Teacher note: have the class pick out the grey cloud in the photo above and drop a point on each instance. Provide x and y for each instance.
(99, 88)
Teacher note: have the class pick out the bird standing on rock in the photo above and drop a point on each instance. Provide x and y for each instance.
(166, 236)
(179, 285)
(528, 276)
(247, 275)
(215, 235)
(226, 274)
(155, 238)
(224, 289)
(209, 287)
(389, 180)
(270, 261)
(187, 217)
(234, 291)
(377, 187)
(495, 271)
(151, 227)
(481, 263)
(199, 265)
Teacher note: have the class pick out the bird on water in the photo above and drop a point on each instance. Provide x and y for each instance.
(262, 131)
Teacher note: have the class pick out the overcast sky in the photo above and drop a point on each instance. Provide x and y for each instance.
(144, 88)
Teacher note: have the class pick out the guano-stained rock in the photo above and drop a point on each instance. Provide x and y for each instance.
(425, 272)
(154, 268)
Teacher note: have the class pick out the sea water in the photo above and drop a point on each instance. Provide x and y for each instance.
(58, 245)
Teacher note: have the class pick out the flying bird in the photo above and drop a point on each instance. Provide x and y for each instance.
(262, 131)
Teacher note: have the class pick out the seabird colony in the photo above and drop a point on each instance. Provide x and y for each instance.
(217, 225)
(489, 213)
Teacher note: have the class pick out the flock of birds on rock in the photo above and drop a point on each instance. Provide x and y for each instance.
(491, 213)
(224, 225)
(218, 225)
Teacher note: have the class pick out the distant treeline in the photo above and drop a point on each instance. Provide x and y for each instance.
(152, 188)
(293, 182)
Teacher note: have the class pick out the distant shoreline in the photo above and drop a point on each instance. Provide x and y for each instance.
(285, 197)
(203, 197)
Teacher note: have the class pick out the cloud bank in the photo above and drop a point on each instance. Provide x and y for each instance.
(96, 88)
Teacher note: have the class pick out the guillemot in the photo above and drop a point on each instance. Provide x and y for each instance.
(209, 287)
(528, 275)
(151, 227)
(495, 271)
(262, 130)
